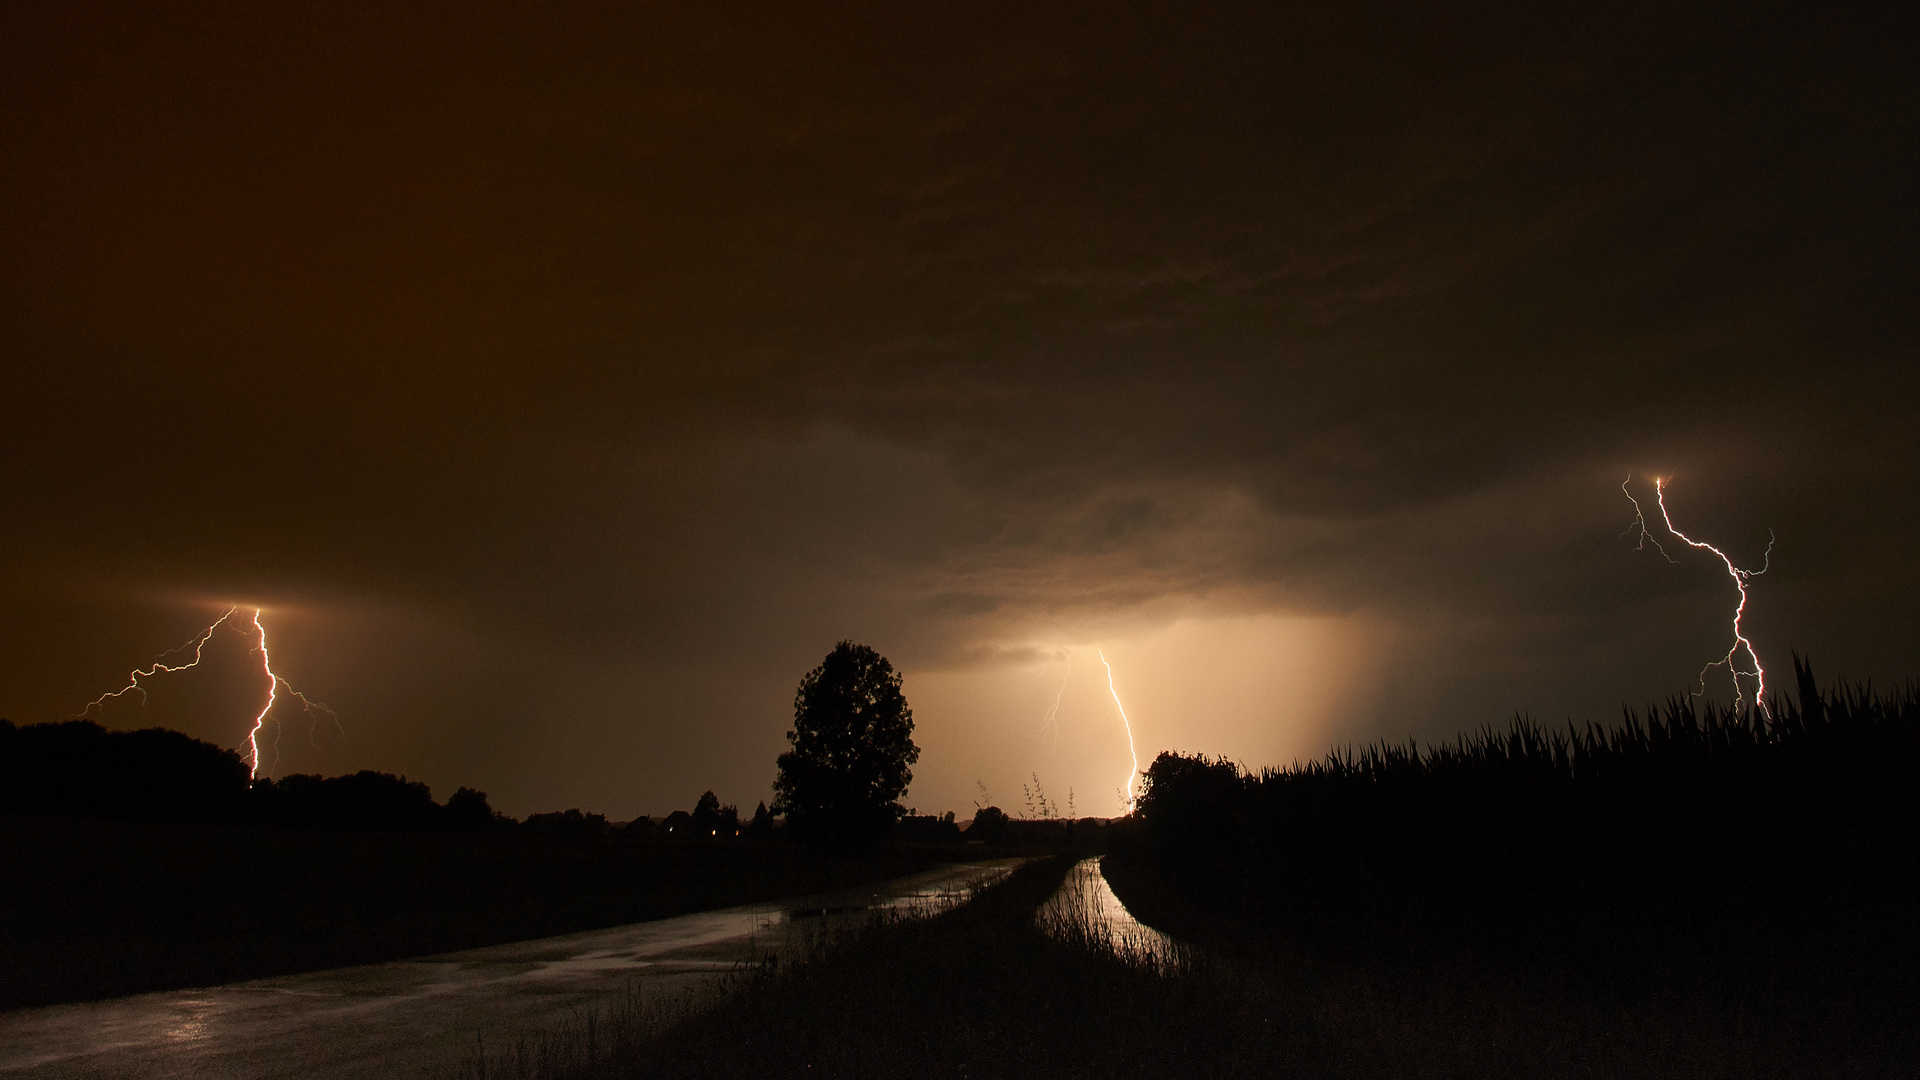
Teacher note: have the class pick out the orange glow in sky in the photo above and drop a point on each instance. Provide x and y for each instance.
(1261, 689)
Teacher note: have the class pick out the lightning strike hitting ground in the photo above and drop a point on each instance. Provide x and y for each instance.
(1740, 578)
(198, 644)
(1127, 794)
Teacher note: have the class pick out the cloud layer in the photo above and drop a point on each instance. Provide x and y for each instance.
(584, 378)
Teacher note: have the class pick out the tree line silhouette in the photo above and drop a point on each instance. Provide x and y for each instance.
(77, 768)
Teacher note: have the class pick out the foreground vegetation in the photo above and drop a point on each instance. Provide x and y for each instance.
(989, 990)
(981, 990)
(1701, 893)
(98, 908)
(1756, 872)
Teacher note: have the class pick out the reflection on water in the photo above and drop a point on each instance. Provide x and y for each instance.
(924, 894)
(1085, 909)
(190, 1023)
(414, 1017)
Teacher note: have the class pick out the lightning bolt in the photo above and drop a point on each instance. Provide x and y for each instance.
(1640, 523)
(1052, 719)
(1127, 799)
(198, 644)
(1740, 578)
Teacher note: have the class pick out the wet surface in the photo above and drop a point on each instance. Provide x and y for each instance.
(420, 1017)
(1086, 903)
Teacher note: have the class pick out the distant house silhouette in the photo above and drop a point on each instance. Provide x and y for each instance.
(567, 823)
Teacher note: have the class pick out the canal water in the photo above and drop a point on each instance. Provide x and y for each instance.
(1086, 904)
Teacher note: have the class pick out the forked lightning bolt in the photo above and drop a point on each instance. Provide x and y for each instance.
(274, 682)
(1740, 578)
(1640, 522)
(1127, 794)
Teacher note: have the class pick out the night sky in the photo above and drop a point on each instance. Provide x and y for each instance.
(563, 384)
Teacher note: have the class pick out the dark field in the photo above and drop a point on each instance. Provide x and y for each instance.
(92, 909)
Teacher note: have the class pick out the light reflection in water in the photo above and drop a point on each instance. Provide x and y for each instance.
(1085, 909)
(189, 1024)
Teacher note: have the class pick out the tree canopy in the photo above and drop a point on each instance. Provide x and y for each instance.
(852, 749)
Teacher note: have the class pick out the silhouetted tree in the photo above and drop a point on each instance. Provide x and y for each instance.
(989, 825)
(468, 811)
(79, 768)
(706, 815)
(762, 823)
(852, 742)
(710, 819)
(362, 800)
(1190, 807)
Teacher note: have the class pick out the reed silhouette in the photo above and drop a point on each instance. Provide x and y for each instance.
(1771, 862)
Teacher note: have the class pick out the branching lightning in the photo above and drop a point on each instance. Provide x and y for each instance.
(1127, 793)
(198, 644)
(1052, 719)
(1740, 578)
(1640, 523)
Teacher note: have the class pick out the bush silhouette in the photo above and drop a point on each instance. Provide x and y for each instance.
(990, 825)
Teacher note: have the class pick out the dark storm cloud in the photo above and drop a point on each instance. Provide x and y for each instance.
(664, 342)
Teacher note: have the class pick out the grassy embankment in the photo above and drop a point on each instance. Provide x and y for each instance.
(92, 909)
